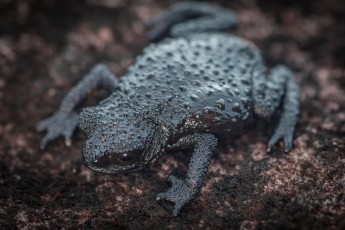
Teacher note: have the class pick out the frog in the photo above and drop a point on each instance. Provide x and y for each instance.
(193, 86)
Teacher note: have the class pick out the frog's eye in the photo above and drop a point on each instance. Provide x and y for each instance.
(131, 157)
(110, 159)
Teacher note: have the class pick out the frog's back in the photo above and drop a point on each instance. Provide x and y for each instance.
(198, 73)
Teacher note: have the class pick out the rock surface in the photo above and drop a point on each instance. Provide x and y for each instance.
(45, 48)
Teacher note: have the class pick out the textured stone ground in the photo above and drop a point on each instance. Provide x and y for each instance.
(45, 48)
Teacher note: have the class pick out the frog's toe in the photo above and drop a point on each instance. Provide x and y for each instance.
(282, 132)
(173, 193)
(70, 125)
(179, 193)
(51, 135)
(57, 125)
(177, 208)
(42, 125)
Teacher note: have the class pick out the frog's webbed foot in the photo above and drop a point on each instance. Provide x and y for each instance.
(190, 17)
(59, 124)
(180, 193)
(268, 94)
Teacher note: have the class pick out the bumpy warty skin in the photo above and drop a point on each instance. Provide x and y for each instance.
(185, 92)
(193, 84)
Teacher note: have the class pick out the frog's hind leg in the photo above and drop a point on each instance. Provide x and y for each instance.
(190, 17)
(267, 95)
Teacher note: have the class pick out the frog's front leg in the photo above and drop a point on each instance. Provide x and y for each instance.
(184, 190)
(65, 120)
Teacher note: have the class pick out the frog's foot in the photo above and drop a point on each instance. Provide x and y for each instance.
(268, 93)
(284, 131)
(190, 17)
(181, 192)
(56, 125)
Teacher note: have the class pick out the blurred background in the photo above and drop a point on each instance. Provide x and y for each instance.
(47, 46)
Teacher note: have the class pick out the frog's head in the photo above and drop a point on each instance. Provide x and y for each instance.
(121, 144)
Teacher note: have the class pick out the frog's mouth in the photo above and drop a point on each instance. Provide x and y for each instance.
(104, 161)
(111, 163)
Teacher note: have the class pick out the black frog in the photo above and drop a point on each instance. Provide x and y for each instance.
(189, 90)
